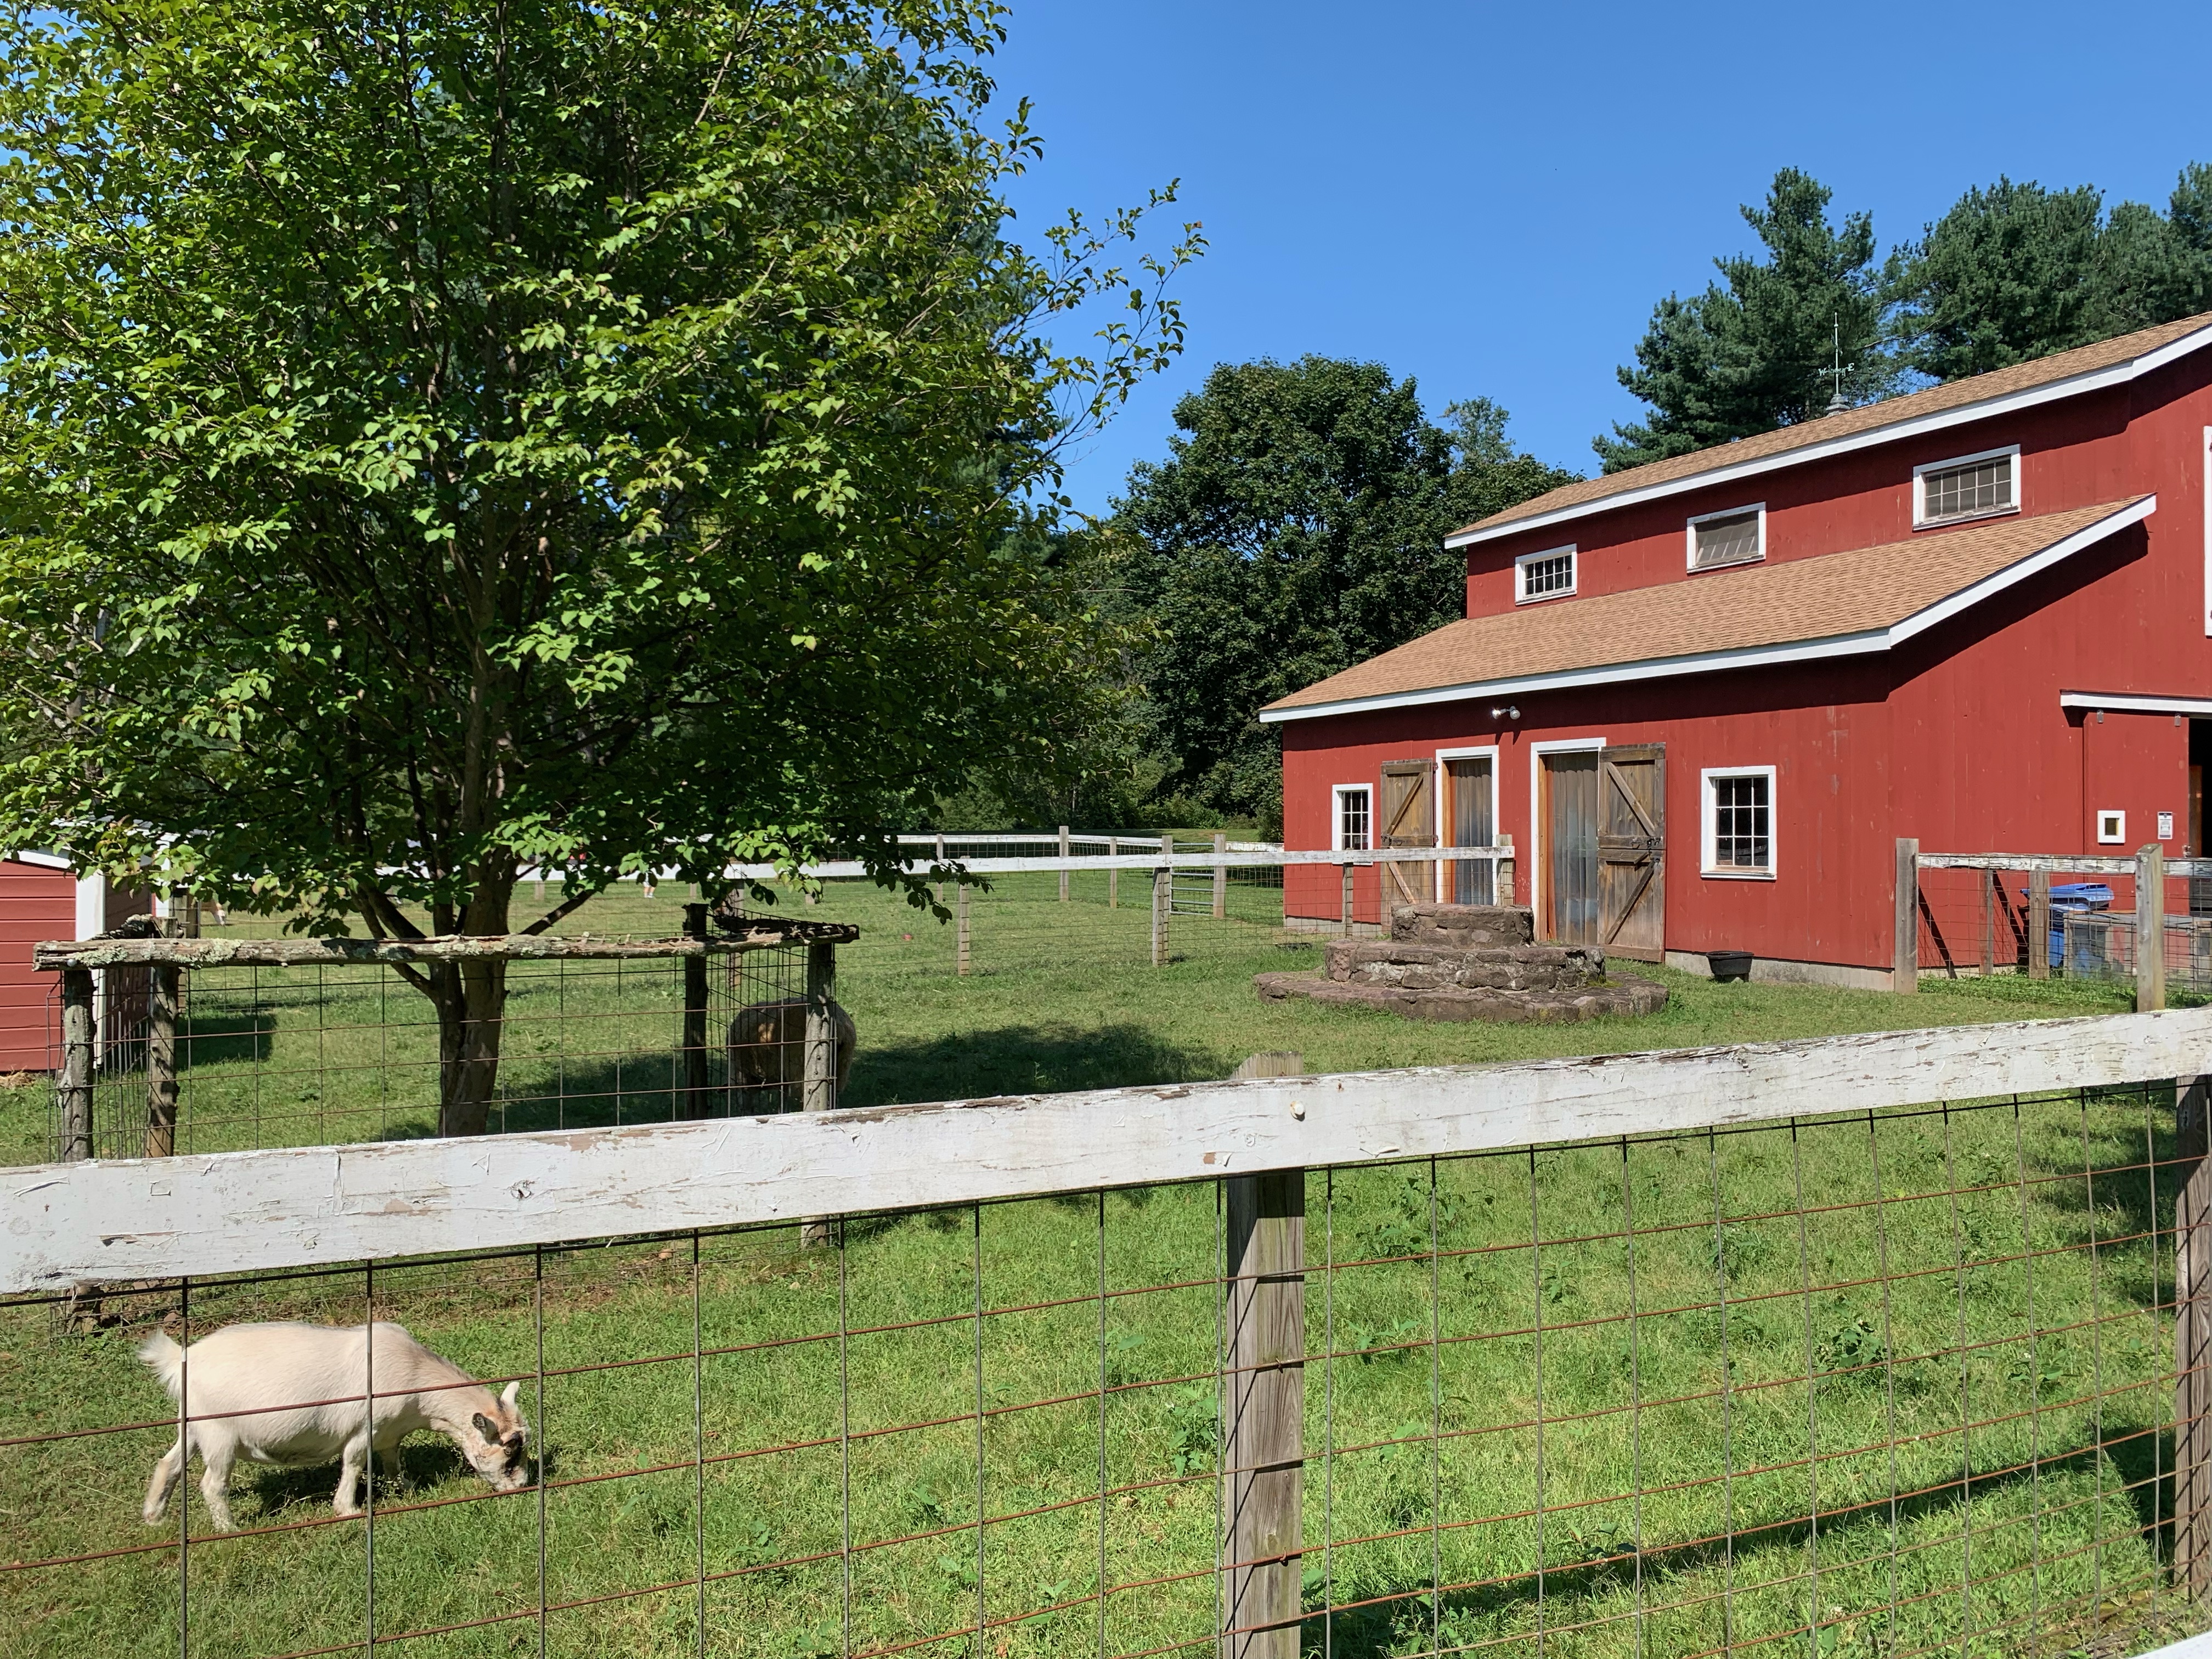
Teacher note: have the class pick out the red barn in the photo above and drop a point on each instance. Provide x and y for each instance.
(1705, 697)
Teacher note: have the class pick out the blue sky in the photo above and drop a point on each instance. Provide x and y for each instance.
(1491, 198)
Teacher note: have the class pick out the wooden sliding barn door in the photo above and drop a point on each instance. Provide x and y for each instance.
(1408, 820)
(1631, 851)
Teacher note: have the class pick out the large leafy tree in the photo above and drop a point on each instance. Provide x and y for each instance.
(2016, 271)
(1297, 527)
(436, 440)
(1756, 350)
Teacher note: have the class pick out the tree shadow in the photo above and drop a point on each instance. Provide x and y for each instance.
(1375, 1629)
(1016, 1060)
(226, 1039)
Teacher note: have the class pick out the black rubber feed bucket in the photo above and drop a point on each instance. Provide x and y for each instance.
(1729, 964)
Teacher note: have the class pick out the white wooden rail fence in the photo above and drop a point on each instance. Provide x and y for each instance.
(69, 1224)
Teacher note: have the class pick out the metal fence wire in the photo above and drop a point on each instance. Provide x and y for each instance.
(307, 1055)
(1893, 1382)
(1976, 921)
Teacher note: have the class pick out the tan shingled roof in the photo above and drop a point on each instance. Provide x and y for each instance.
(1803, 600)
(1952, 394)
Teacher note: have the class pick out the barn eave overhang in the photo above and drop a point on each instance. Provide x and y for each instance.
(1863, 642)
(1848, 443)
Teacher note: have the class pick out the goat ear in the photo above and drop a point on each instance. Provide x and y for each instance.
(510, 1393)
(485, 1426)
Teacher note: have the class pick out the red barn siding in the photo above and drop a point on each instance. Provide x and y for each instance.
(35, 903)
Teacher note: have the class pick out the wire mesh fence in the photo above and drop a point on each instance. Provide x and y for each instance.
(1892, 1380)
(2077, 923)
(271, 1055)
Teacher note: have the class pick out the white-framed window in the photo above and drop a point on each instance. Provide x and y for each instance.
(1966, 487)
(1739, 822)
(1547, 575)
(1737, 536)
(1353, 826)
(2111, 827)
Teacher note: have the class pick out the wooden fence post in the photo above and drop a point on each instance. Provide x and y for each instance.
(2192, 1339)
(1163, 902)
(694, 1103)
(1263, 1453)
(2150, 927)
(78, 1057)
(2038, 924)
(1347, 900)
(960, 927)
(1503, 883)
(1905, 974)
(940, 862)
(1063, 863)
(1220, 880)
(819, 1078)
(162, 979)
(1112, 875)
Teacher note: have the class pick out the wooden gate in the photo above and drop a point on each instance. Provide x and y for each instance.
(1631, 851)
(1408, 820)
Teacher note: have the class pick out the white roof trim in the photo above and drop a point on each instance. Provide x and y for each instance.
(44, 861)
(1756, 656)
(2133, 702)
(1913, 426)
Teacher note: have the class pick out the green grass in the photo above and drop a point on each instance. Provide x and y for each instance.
(1995, 1312)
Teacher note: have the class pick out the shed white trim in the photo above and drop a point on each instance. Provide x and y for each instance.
(2134, 702)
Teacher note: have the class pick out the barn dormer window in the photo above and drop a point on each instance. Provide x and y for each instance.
(1735, 536)
(1966, 487)
(1547, 575)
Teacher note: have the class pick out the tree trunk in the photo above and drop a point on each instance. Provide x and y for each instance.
(471, 998)
(471, 1002)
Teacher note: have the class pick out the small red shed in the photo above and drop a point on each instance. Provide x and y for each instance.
(1704, 698)
(40, 900)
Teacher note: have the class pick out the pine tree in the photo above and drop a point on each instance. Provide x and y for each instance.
(1755, 352)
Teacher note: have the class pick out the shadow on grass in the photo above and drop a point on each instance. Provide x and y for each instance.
(1511, 1606)
(226, 1039)
(421, 1467)
(1016, 1059)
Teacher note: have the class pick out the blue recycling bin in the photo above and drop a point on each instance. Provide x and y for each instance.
(2076, 897)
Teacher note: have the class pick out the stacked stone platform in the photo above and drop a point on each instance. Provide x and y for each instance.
(1455, 962)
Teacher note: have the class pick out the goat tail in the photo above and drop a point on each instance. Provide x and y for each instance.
(162, 1352)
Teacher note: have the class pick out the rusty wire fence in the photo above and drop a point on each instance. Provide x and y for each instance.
(2057, 916)
(268, 1053)
(1799, 1368)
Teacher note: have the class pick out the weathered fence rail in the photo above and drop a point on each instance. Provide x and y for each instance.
(302, 1207)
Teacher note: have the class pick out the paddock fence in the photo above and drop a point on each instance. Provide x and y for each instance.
(2050, 915)
(1016, 902)
(252, 1042)
(1886, 1345)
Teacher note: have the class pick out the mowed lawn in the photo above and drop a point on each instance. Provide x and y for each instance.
(1880, 1357)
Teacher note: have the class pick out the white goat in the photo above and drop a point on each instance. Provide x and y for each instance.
(293, 1395)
